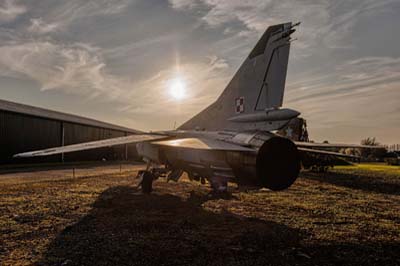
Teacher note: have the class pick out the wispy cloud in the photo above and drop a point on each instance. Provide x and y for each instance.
(79, 69)
(72, 11)
(323, 22)
(343, 70)
(353, 75)
(39, 26)
(10, 9)
(365, 89)
(72, 68)
(181, 4)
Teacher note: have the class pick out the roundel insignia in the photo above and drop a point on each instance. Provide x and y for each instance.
(239, 105)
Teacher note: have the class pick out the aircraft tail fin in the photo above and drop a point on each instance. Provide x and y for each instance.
(257, 86)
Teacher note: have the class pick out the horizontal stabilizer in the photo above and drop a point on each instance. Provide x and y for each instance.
(337, 154)
(91, 145)
(334, 145)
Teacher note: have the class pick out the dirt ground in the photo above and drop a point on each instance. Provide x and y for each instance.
(348, 216)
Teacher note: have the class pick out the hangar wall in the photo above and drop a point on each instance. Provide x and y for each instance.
(25, 128)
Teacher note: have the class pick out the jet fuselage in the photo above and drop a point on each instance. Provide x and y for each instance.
(270, 160)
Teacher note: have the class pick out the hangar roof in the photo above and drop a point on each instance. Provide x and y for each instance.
(50, 114)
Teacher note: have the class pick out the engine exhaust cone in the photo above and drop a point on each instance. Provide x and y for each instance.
(278, 163)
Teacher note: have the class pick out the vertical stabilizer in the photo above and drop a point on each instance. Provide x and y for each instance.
(257, 86)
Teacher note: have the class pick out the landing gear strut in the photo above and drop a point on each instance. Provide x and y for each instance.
(146, 184)
(219, 185)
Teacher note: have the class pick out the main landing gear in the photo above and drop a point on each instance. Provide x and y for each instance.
(148, 176)
(146, 184)
(218, 184)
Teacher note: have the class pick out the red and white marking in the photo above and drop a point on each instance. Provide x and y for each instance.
(239, 105)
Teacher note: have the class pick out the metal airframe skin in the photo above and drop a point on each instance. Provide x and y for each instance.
(233, 139)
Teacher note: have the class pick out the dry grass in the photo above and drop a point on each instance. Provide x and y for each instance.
(349, 216)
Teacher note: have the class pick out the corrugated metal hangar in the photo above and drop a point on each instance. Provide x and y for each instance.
(26, 128)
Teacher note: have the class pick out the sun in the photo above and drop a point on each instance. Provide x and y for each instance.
(177, 89)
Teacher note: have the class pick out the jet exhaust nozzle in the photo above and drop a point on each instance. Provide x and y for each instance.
(278, 163)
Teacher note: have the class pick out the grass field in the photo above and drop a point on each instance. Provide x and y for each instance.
(370, 169)
(348, 216)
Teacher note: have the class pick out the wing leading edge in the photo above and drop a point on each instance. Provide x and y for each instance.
(92, 145)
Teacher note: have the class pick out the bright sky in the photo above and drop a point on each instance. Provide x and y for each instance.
(146, 64)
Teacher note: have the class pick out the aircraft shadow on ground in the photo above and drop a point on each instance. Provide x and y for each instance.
(128, 228)
(362, 182)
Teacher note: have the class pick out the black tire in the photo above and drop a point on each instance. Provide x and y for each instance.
(147, 183)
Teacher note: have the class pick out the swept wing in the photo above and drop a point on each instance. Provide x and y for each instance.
(92, 145)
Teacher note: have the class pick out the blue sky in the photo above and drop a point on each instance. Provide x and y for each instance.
(115, 60)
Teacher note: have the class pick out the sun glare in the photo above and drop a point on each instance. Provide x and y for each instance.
(177, 89)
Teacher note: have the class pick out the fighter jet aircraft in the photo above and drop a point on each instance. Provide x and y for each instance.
(234, 139)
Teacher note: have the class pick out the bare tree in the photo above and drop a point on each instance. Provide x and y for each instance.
(372, 154)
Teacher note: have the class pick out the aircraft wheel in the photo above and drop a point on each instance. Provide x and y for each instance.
(147, 183)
